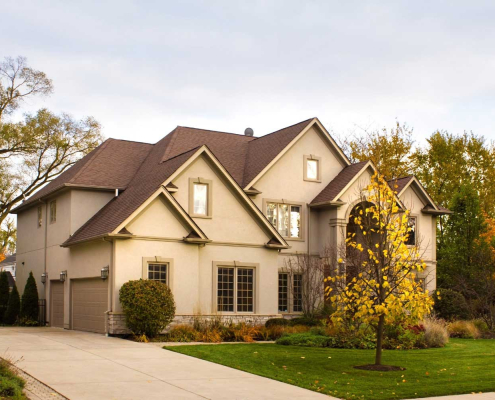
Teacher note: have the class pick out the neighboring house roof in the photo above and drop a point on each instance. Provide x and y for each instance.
(8, 260)
(111, 165)
(332, 191)
(11, 279)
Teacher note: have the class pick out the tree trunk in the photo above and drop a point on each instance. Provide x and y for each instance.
(379, 340)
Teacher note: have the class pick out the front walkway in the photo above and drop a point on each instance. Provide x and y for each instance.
(83, 365)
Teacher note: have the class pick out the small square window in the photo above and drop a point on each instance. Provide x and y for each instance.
(53, 211)
(158, 272)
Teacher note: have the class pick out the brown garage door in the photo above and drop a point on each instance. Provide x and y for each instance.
(89, 304)
(57, 304)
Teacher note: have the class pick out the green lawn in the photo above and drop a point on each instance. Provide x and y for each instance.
(464, 366)
(11, 385)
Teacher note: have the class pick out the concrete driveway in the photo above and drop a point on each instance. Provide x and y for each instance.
(83, 365)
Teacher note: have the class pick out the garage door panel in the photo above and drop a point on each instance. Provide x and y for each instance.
(89, 304)
(57, 304)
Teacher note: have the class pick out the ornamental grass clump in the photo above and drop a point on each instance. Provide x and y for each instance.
(463, 330)
(148, 306)
(436, 334)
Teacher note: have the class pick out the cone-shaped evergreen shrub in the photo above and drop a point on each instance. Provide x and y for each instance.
(13, 308)
(29, 304)
(4, 294)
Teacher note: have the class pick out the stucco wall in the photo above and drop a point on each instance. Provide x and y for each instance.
(231, 220)
(85, 204)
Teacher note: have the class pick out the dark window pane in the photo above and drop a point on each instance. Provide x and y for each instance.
(283, 293)
(245, 290)
(225, 293)
(297, 301)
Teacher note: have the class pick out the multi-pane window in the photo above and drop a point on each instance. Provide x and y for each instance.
(53, 211)
(297, 293)
(286, 218)
(200, 193)
(289, 292)
(411, 234)
(158, 272)
(235, 289)
(40, 216)
(283, 292)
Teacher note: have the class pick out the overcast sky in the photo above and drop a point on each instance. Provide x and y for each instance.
(143, 67)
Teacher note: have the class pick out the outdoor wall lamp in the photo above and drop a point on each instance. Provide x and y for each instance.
(104, 272)
(44, 277)
(63, 276)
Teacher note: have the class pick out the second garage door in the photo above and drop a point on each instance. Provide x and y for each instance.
(89, 304)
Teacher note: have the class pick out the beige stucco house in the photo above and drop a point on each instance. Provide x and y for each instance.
(212, 214)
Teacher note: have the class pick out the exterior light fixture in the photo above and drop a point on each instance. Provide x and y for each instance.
(104, 272)
(63, 276)
(44, 277)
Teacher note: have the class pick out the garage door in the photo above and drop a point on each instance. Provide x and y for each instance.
(57, 304)
(89, 304)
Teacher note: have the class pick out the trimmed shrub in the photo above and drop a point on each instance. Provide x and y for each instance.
(181, 333)
(277, 322)
(29, 304)
(450, 305)
(305, 339)
(4, 294)
(305, 321)
(13, 308)
(463, 329)
(148, 306)
(436, 334)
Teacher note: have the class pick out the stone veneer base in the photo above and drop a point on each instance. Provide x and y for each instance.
(117, 326)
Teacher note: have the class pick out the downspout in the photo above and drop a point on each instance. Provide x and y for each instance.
(111, 278)
(45, 245)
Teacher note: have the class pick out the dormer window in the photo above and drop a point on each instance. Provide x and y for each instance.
(312, 168)
(200, 198)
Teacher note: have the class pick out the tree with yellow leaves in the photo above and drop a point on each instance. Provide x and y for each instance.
(379, 284)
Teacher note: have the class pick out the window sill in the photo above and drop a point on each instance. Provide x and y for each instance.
(200, 216)
(312, 180)
(294, 239)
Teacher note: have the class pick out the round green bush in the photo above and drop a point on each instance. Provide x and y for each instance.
(305, 321)
(277, 322)
(450, 305)
(148, 306)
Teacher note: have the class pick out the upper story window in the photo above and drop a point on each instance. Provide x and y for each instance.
(53, 211)
(312, 168)
(200, 197)
(411, 235)
(40, 216)
(286, 218)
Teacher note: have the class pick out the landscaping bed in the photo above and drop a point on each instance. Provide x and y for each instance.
(11, 386)
(462, 366)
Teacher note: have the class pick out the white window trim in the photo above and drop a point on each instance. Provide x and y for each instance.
(235, 265)
(209, 200)
(302, 216)
(305, 168)
(290, 293)
(159, 260)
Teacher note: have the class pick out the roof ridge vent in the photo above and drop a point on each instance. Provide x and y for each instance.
(248, 132)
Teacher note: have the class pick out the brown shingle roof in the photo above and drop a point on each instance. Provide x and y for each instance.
(141, 168)
(112, 164)
(400, 182)
(264, 149)
(332, 190)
